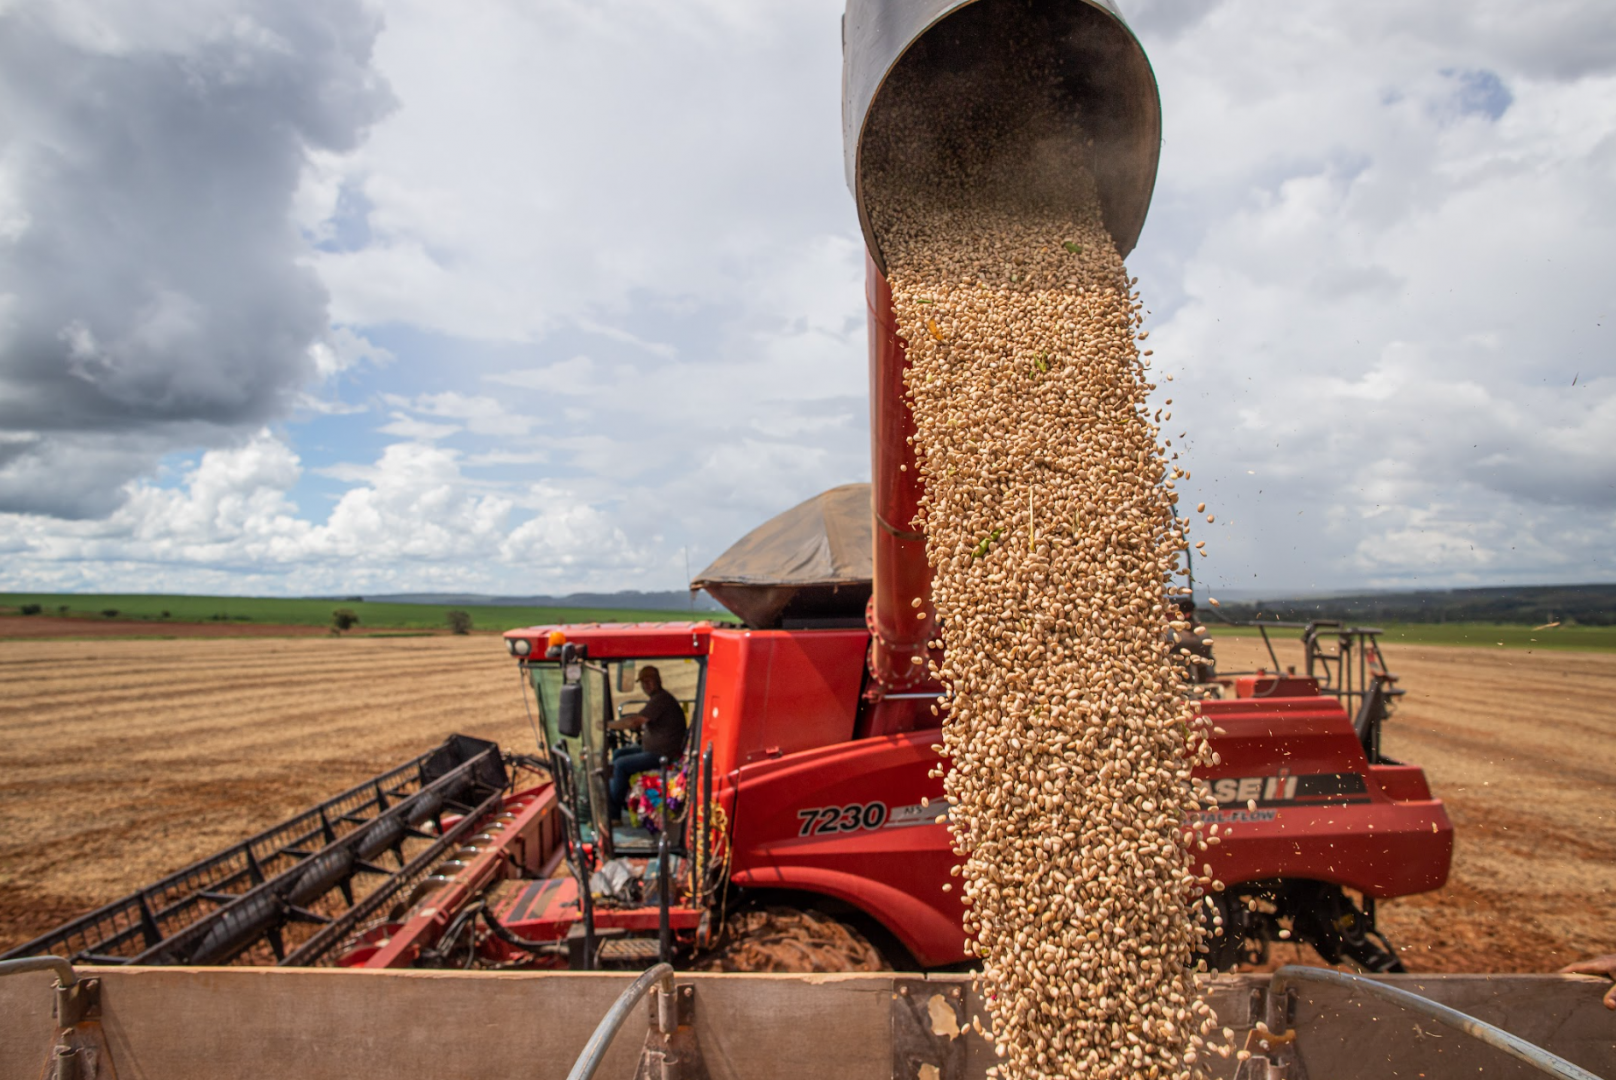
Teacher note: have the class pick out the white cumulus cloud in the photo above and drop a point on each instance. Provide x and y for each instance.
(595, 287)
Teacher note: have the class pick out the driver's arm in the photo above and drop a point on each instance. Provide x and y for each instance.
(1600, 965)
(631, 722)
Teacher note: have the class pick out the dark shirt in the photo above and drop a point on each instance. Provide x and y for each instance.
(664, 731)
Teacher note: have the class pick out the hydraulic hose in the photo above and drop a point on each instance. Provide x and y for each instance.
(503, 933)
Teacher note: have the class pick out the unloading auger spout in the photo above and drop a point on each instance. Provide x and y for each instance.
(959, 72)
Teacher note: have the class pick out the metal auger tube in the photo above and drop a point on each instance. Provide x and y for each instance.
(594, 1051)
(1516, 1047)
(960, 70)
(65, 975)
(76, 998)
(979, 48)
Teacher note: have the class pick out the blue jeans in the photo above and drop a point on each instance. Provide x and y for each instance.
(625, 763)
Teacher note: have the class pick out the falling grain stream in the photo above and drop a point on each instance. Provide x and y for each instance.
(1051, 535)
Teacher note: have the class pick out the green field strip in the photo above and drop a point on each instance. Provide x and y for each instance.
(276, 611)
(1473, 635)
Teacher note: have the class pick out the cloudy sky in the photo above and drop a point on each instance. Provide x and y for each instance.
(530, 296)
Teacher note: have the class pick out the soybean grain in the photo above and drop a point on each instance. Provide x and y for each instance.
(1050, 529)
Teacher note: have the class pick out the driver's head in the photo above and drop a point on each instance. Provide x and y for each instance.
(650, 679)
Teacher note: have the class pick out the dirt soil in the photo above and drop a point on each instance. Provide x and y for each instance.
(784, 940)
(1521, 747)
(125, 760)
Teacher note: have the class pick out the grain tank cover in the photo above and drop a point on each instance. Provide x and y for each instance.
(807, 566)
(977, 54)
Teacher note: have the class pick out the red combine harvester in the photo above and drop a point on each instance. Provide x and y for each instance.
(807, 778)
(814, 787)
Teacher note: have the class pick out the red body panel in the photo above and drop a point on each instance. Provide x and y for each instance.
(890, 863)
(613, 641)
(1402, 783)
(1266, 685)
(781, 691)
(545, 909)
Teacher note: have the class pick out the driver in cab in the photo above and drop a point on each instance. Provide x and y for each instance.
(661, 723)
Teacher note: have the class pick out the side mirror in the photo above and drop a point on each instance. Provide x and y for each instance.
(625, 676)
(570, 721)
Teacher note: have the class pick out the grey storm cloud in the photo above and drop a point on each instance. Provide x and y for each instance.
(152, 295)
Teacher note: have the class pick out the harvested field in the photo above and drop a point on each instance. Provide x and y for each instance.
(128, 759)
(125, 760)
(1522, 748)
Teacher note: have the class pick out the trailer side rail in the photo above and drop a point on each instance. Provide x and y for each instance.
(1513, 1045)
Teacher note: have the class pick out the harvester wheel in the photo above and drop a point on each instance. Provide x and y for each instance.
(1320, 915)
(1244, 934)
(1328, 919)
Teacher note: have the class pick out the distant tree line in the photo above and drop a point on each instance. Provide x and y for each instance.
(1532, 605)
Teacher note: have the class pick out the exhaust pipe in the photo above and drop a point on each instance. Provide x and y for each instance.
(969, 62)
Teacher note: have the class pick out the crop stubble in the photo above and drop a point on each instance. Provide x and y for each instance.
(124, 760)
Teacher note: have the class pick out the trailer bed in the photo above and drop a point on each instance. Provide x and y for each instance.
(322, 1024)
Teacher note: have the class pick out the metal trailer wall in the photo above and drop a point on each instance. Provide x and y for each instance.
(321, 1024)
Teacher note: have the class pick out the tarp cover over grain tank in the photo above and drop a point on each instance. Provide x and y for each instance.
(807, 566)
